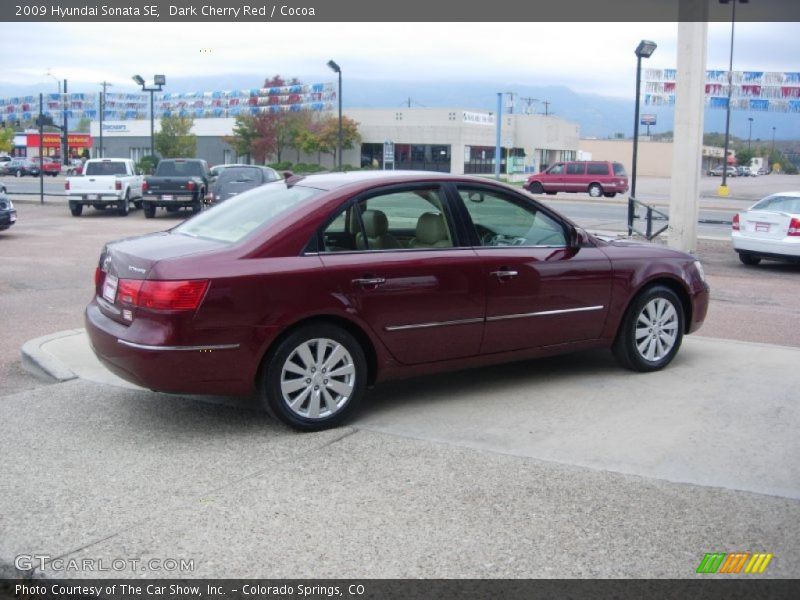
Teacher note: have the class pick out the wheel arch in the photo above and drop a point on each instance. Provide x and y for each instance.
(676, 286)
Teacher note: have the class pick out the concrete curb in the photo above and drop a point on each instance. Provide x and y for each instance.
(41, 363)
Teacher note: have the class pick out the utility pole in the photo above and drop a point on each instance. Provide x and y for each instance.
(528, 103)
(546, 106)
(102, 110)
(66, 128)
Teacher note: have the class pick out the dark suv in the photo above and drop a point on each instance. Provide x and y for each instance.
(598, 178)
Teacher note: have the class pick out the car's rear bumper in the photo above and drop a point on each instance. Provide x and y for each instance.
(189, 368)
(786, 246)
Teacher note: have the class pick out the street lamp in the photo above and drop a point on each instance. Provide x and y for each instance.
(64, 128)
(749, 133)
(773, 141)
(158, 82)
(645, 49)
(723, 188)
(338, 70)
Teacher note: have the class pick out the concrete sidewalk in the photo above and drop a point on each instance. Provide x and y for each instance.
(563, 467)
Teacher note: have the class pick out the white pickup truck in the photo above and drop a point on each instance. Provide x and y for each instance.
(105, 182)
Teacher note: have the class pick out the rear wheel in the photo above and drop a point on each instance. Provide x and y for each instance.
(197, 203)
(595, 190)
(125, 205)
(18, 173)
(137, 203)
(651, 331)
(76, 209)
(536, 188)
(314, 378)
(149, 210)
(749, 259)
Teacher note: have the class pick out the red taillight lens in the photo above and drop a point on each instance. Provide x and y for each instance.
(144, 186)
(99, 277)
(162, 295)
(118, 185)
(66, 185)
(735, 222)
(794, 227)
(190, 186)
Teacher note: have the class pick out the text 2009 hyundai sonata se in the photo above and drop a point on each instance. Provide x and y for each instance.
(307, 290)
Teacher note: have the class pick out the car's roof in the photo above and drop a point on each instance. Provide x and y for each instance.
(331, 181)
(792, 194)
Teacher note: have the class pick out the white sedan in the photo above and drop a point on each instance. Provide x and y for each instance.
(769, 229)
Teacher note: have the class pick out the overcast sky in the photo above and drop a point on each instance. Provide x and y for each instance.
(588, 57)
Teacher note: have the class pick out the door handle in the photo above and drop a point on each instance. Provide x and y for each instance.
(369, 281)
(504, 274)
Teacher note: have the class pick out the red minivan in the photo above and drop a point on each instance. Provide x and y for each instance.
(598, 178)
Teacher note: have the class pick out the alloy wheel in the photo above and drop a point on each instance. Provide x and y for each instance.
(656, 329)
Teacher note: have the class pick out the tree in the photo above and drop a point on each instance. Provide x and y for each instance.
(83, 125)
(175, 139)
(244, 132)
(743, 157)
(6, 139)
(329, 135)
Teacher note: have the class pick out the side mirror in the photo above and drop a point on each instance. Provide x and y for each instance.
(577, 238)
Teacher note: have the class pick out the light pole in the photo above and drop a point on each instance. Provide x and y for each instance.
(749, 133)
(773, 141)
(159, 81)
(645, 49)
(723, 188)
(64, 133)
(102, 110)
(338, 70)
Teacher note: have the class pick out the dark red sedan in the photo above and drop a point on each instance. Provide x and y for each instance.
(308, 290)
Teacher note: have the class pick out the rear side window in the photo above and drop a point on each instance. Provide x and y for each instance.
(576, 168)
(597, 169)
(619, 170)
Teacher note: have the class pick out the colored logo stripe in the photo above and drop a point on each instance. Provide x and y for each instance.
(717, 562)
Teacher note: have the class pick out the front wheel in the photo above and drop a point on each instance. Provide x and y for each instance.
(314, 378)
(76, 209)
(536, 188)
(651, 331)
(595, 190)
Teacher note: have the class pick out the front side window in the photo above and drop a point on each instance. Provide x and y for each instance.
(397, 220)
(502, 221)
(556, 169)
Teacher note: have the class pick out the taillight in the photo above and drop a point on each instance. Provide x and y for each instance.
(735, 222)
(66, 185)
(794, 227)
(118, 185)
(190, 186)
(99, 277)
(144, 186)
(162, 295)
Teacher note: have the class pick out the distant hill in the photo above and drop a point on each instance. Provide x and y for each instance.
(598, 116)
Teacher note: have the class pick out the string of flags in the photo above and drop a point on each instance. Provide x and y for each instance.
(748, 90)
(215, 104)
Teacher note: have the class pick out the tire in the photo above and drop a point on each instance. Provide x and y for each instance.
(76, 209)
(536, 188)
(149, 210)
(646, 341)
(297, 390)
(125, 205)
(17, 173)
(197, 203)
(609, 194)
(595, 190)
(751, 260)
(550, 193)
(137, 203)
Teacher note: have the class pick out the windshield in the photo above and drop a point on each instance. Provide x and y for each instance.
(787, 204)
(243, 214)
(179, 168)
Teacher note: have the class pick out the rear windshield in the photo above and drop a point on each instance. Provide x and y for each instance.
(619, 170)
(240, 175)
(167, 168)
(234, 219)
(787, 204)
(105, 168)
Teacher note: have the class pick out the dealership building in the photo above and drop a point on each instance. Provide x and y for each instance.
(435, 139)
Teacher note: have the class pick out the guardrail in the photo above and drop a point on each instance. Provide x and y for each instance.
(649, 218)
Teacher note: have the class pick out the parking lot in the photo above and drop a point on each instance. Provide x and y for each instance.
(564, 467)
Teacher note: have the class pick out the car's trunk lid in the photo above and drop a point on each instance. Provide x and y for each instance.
(769, 225)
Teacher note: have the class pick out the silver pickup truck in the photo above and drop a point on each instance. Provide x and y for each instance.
(105, 183)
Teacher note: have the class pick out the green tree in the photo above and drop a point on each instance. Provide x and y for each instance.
(743, 157)
(6, 139)
(175, 139)
(329, 135)
(244, 132)
(83, 125)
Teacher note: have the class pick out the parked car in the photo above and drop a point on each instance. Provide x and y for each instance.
(47, 165)
(310, 289)
(20, 167)
(742, 171)
(8, 214)
(598, 178)
(74, 167)
(3, 160)
(106, 182)
(177, 183)
(769, 229)
(237, 179)
(763, 171)
(717, 171)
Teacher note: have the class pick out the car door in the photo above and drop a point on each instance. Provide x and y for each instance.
(394, 255)
(575, 178)
(542, 289)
